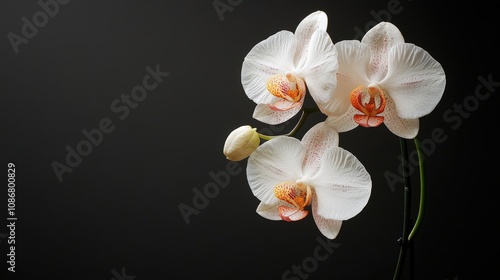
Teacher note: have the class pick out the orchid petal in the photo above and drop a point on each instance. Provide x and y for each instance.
(404, 128)
(320, 69)
(304, 31)
(344, 122)
(274, 162)
(266, 114)
(316, 141)
(328, 227)
(342, 185)
(284, 105)
(353, 59)
(381, 38)
(415, 81)
(269, 57)
(270, 211)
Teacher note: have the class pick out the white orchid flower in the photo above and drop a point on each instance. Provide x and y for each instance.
(288, 176)
(382, 79)
(278, 71)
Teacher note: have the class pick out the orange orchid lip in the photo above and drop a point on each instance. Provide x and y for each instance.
(287, 86)
(371, 109)
(298, 195)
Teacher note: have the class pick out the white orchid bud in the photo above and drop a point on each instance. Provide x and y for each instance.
(241, 142)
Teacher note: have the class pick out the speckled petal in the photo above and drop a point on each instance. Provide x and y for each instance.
(328, 227)
(381, 38)
(316, 141)
(343, 122)
(271, 56)
(305, 29)
(274, 162)
(404, 128)
(415, 81)
(270, 211)
(268, 114)
(342, 185)
(320, 69)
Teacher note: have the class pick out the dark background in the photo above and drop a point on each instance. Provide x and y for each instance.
(119, 207)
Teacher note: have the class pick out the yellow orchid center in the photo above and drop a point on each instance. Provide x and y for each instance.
(298, 195)
(370, 109)
(287, 86)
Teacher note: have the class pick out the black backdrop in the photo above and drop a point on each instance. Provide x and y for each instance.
(116, 214)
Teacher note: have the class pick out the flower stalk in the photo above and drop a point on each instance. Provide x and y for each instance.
(403, 240)
(420, 214)
(406, 241)
(305, 113)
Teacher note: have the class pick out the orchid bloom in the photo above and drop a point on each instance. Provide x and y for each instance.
(382, 79)
(288, 176)
(278, 71)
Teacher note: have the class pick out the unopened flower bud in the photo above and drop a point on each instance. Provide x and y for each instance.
(241, 142)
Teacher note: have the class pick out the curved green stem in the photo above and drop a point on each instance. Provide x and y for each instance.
(420, 214)
(305, 113)
(406, 210)
(406, 240)
(265, 137)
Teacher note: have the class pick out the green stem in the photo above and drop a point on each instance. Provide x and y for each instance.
(265, 137)
(403, 241)
(406, 240)
(420, 214)
(305, 113)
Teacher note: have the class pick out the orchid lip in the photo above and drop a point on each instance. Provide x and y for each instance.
(286, 86)
(298, 195)
(370, 109)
